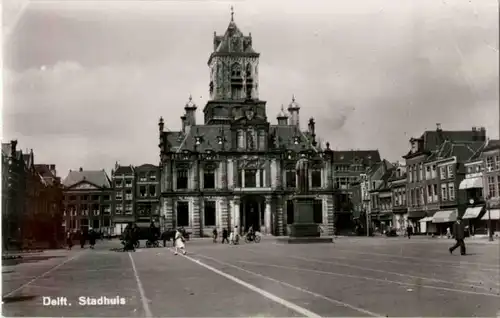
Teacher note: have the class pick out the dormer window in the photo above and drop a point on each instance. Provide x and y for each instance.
(296, 140)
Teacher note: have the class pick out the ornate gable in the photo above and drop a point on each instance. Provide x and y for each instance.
(84, 185)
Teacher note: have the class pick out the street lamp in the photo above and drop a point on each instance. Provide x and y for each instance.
(488, 207)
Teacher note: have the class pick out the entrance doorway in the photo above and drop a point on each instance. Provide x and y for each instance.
(252, 211)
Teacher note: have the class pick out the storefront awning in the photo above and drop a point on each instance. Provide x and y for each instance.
(426, 219)
(472, 213)
(471, 183)
(445, 216)
(494, 213)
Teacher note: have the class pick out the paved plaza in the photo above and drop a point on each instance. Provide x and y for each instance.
(352, 277)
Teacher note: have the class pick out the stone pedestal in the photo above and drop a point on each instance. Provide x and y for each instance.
(303, 225)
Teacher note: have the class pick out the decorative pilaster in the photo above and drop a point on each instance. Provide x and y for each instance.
(196, 175)
(280, 220)
(224, 213)
(196, 228)
(331, 215)
(267, 214)
(230, 173)
(168, 212)
(279, 174)
(167, 176)
(223, 174)
(235, 174)
(267, 182)
(273, 173)
(236, 214)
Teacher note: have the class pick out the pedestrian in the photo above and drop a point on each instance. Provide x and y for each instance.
(448, 232)
(179, 242)
(92, 238)
(409, 231)
(459, 235)
(225, 235)
(83, 239)
(214, 233)
(69, 240)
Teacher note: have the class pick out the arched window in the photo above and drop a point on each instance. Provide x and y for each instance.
(249, 70)
(236, 70)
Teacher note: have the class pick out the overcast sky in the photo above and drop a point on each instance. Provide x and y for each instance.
(86, 81)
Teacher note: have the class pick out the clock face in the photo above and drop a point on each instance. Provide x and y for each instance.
(471, 201)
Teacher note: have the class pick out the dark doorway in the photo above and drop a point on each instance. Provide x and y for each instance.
(252, 212)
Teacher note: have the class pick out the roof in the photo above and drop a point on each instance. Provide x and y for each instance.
(96, 177)
(285, 138)
(365, 157)
(432, 140)
(146, 166)
(233, 41)
(124, 170)
(492, 144)
(384, 185)
(44, 170)
(462, 151)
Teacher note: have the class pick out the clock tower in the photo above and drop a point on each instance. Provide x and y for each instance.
(234, 84)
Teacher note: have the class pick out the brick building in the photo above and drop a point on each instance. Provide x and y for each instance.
(398, 189)
(31, 204)
(237, 168)
(136, 196)
(348, 167)
(87, 200)
(491, 176)
(425, 188)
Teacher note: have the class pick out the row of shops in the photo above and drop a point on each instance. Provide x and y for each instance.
(476, 219)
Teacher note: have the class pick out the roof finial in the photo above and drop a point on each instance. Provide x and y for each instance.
(293, 98)
(282, 107)
(190, 97)
(232, 14)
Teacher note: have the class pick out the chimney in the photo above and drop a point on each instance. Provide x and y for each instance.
(161, 124)
(474, 129)
(81, 169)
(117, 165)
(482, 134)
(438, 127)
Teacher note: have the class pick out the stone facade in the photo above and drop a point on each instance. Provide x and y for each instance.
(238, 169)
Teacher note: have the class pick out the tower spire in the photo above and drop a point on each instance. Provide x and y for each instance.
(232, 14)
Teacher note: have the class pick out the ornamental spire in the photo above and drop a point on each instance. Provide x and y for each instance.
(232, 14)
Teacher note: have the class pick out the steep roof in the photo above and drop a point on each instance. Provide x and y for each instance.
(365, 157)
(124, 170)
(463, 151)
(492, 144)
(431, 141)
(97, 177)
(285, 138)
(233, 41)
(45, 171)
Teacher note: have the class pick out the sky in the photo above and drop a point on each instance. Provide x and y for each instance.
(85, 82)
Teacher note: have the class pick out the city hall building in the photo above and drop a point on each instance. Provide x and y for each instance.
(238, 169)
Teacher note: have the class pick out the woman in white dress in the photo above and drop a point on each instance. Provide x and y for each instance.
(179, 242)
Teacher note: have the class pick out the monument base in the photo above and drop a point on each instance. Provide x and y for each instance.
(304, 230)
(304, 225)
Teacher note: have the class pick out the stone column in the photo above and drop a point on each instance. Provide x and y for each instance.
(267, 174)
(279, 174)
(273, 175)
(267, 214)
(236, 214)
(230, 174)
(196, 175)
(167, 176)
(330, 215)
(223, 174)
(280, 220)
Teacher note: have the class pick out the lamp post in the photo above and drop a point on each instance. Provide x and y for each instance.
(490, 228)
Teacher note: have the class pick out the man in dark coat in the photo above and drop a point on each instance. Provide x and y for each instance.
(225, 234)
(459, 235)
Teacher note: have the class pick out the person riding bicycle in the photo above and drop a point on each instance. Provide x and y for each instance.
(251, 233)
(153, 234)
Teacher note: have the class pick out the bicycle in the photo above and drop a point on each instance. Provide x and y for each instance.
(252, 238)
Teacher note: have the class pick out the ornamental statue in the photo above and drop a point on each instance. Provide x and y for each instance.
(302, 170)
